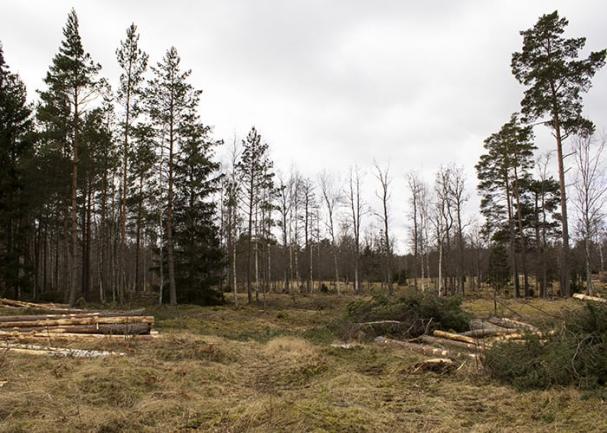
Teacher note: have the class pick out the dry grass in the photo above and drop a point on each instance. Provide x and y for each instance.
(250, 370)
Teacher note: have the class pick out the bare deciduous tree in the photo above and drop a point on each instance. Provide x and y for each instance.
(354, 198)
(590, 194)
(383, 176)
(332, 200)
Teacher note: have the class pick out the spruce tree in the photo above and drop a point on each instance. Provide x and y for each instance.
(498, 272)
(15, 162)
(72, 83)
(555, 79)
(171, 100)
(198, 253)
(142, 184)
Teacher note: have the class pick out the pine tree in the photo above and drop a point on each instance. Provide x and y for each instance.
(15, 159)
(545, 222)
(555, 77)
(502, 172)
(133, 64)
(255, 168)
(71, 84)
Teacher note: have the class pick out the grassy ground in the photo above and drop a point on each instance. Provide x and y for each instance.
(247, 369)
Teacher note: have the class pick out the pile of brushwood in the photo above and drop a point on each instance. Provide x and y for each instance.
(575, 354)
(406, 317)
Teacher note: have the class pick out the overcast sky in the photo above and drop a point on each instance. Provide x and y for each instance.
(332, 83)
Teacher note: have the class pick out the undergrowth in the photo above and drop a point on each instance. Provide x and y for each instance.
(576, 354)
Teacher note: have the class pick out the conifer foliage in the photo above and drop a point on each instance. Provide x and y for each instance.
(104, 180)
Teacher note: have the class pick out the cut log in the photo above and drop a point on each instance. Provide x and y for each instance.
(582, 297)
(483, 324)
(449, 343)
(33, 349)
(488, 332)
(37, 336)
(117, 329)
(424, 349)
(455, 337)
(514, 336)
(512, 324)
(35, 317)
(437, 365)
(35, 306)
(77, 321)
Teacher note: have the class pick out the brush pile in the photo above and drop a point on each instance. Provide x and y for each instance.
(575, 354)
(483, 335)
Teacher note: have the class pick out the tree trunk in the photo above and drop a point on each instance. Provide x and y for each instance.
(565, 283)
(521, 234)
(170, 246)
(517, 292)
(74, 204)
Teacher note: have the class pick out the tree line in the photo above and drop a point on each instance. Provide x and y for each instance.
(113, 191)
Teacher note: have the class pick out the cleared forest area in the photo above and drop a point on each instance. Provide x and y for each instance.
(158, 275)
(248, 369)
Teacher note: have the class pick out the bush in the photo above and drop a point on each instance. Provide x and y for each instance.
(417, 313)
(576, 355)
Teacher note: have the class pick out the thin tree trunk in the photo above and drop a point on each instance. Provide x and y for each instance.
(74, 203)
(169, 226)
(521, 234)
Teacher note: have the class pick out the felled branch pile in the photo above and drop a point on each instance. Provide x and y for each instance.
(100, 324)
(470, 344)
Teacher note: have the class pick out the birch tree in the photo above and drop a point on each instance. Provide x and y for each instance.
(590, 197)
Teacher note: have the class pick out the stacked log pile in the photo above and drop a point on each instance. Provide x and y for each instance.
(96, 324)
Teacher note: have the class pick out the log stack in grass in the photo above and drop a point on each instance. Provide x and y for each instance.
(95, 324)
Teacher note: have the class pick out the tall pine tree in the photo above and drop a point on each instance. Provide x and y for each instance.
(555, 77)
(256, 175)
(133, 64)
(72, 83)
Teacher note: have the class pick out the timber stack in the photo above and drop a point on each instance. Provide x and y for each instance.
(77, 324)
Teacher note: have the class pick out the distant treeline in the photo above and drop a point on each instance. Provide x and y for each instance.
(113, 193)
